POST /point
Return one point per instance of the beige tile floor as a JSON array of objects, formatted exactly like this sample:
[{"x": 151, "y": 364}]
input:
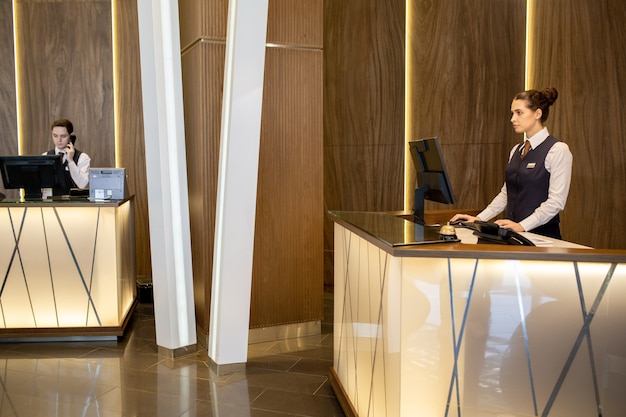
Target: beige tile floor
[{"x": 127, "y": 378}]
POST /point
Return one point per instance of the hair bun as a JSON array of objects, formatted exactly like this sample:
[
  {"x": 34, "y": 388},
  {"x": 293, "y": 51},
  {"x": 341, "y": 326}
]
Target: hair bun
[{"x": 550, "y": 94}]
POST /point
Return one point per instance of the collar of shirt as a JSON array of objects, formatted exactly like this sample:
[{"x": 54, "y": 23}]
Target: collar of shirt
[
  {"x": 538, "y": 138},
  {"x": 58, "y": 151}
]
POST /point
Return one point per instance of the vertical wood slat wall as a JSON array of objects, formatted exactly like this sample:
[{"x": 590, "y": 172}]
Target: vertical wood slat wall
[
  {"x": 287, "y": 277},
  {"x": 203, "y": 45},
  {"x": 287, "y": 268}
]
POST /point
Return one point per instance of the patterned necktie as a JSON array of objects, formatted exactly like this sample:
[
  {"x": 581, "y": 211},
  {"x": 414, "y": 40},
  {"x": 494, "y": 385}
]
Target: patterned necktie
[{"x": 526, "y": 149}]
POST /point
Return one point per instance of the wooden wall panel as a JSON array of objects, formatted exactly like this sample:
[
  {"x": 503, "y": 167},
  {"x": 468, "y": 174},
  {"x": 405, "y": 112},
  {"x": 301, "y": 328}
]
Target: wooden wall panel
[
  {"x": 66, "y": 67},
  {"x": 579, "y": 49},
  {"x": 190, "y": 16},
  {"x": 364, "y": 50},
  {"x": 203, "y": 72},
  {"x": 287, "y": 276},
  {"x": 297, "y": 23},
  {"x": 290, "y": 130},
  {"x": 466, "y": 63},
  {"x": 130, "y": 133},
  {"x": 203, "y": 44},
  {"x": 202, "y": 20},
  {"x": 8, "y": 114},
  {"x": 288, "y": 247}
]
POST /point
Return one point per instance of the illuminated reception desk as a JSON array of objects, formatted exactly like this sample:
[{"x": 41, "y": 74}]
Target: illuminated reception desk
[
  {"x": 473, "y": 330},
  {"x": 68, "y": 268}
]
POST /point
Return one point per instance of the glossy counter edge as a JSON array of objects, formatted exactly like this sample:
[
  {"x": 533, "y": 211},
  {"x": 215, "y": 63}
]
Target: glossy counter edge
[
  {"x": 481, "y": 251},
  {"x": 65, "y": 202}
]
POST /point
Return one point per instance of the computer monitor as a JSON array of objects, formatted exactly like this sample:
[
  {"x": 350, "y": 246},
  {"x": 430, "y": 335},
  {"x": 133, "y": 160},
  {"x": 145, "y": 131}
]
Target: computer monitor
[
  {"x": 32, "y": 173},
  {"x": 433, "y": 183}
]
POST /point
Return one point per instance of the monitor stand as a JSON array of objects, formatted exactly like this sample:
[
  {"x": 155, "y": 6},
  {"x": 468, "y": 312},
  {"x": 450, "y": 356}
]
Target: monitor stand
[{"x": 418, "y": 205}]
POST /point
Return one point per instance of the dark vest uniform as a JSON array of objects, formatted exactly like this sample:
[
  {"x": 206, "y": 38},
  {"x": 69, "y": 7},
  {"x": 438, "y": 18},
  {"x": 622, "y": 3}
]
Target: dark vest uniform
[
  {"x": 69, "y": 182},
  {"x": 527, "y": 183}
]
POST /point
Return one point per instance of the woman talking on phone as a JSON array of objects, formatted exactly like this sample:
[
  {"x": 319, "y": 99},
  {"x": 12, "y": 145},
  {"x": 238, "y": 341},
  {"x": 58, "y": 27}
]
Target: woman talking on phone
[
  {"x": 76, "y": 162},
  {"x": 538, "y": 175}
]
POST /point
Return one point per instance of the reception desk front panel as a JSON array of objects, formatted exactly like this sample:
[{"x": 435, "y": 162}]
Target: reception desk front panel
[
  {"x": 468, "y": 336},
  {"x": 67, "y": 268}
]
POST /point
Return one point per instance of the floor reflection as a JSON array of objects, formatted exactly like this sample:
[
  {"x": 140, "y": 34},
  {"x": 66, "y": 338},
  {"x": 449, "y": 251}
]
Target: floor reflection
[{"x": 127, "y": 378}]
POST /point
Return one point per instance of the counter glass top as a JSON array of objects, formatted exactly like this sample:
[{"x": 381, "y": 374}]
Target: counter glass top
[
  {"x": 403, "y": 238},
  {"x": 62, "y": 202},
  {"x": 392, "y": 230}
]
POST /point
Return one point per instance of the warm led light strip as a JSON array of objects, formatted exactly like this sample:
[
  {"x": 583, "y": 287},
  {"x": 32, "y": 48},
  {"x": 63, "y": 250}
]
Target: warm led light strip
[
  {"x": 17, "y": 82},
  {"x": 530, "y": 16},
  {"x": 407, "y": 102},
  {"x": 115, "y": 82}
]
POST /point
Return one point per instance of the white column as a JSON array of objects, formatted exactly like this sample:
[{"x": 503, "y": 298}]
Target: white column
[
  {"x": 238, "y": 173},
  {"x": 168, "y": 206}
]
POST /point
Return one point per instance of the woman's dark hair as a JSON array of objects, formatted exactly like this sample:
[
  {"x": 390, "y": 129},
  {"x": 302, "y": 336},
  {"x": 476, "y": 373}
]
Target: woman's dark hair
[
  {"x": 539, "y": 100},
  {"x": 63, "y": 123}
]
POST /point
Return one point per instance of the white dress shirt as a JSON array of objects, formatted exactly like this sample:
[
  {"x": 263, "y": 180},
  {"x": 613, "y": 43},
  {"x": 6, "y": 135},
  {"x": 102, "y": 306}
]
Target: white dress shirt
[
  {"x": 78, "y": 171},
  {"x": 559, "y": 164}
]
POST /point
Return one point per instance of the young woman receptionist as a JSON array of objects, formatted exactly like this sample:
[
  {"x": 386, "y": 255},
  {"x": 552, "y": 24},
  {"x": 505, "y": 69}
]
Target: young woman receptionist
[{"x": 538, "y": 175}]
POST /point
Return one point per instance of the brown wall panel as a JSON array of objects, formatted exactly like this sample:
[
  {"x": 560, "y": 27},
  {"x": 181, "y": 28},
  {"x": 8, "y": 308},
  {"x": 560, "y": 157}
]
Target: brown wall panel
[
  {"x": 290, "y": 130},
  {"x": 206, "y": 19},
  {"x": 579, "y": 49},
  {"x": 203, "y": 72},
  {"x": 66, "y": 68},
  {"x": 203, "y": 43},
  {"x": 287, "y": 278},
  {"x": 8, "y": 114},
  {"x": 130, "y": 140},
  {"x": 364, "y": 111},
  {"x": 299, "y": 23},
  {"x": 466, "y": 63}
]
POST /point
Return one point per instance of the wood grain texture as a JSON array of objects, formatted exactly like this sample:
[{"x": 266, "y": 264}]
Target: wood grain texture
[
  {"x": 466, "y": 62},
  {"x": 296, "y": 23},
  {"x": 130, "y": 140},
  {"x": 199, "y": 20},
  {"x": 203, "y": 72},
  {"x": 286, "y": 288},
  {"x": 579, "y": 49},
  {"x": 364, "y": 110},
  {"x": 8, "y": 114},
  {"x": 287, "y": 278},
  {"x": 65, "y": 62}
]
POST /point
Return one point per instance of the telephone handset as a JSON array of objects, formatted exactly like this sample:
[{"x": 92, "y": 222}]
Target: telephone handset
[
  {"x": 73, "y": 139},
  {"x": 492, "y": 233}
]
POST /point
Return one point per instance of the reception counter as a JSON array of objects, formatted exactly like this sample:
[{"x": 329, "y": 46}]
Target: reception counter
[
  {"x": 463, "y": 329},
  {"x": 67, "y": 268}
]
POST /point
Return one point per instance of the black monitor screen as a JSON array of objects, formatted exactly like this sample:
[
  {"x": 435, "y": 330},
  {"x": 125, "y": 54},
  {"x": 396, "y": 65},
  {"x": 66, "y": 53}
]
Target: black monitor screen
[
  {"x": 32, "y": 173},
  {"x": 433, "y": 183}
]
